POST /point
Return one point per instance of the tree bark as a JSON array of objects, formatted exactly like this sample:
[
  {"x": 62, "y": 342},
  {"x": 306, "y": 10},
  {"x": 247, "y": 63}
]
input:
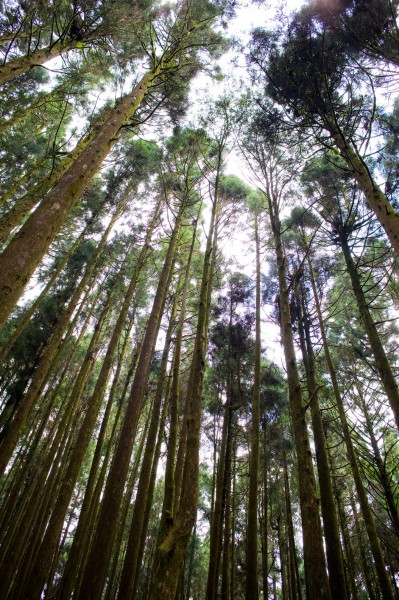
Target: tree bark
[
  {"x": 129, "y": 576},
  {"x": 21, "y": 64},
  {"x": 21, "y": 257},
  {"x": 375, "y": 197},
  {"x": 170, "y": 553},
  {"x": 252, "y": 584},
  {"x": 10, "y": 438},
  {"x": 385, "y": 585},
  {"x": 315, "y": 567},
  {"x": 99, "y": 556},
  {"x": 328, "y": 510},
  {"x": 381, "y": 361}
]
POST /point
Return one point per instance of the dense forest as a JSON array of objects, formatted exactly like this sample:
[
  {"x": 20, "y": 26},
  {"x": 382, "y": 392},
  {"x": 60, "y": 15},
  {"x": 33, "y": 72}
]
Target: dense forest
[{"x": 198, "y": 371}]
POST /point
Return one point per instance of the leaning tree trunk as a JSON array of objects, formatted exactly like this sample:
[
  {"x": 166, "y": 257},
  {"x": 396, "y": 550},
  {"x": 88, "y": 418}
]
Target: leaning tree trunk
[
  {"x": 99, "y": 556},
  {"x": 385, "y": 585},
  {"x": 315, "y": 566},
  {"x": 27, "y": 248},
  {"x": 375, "y": 197},
  {"x": 328, "y": 510},
  {"x": 11, "y": 436},
  {"x": 170, "y": 553},
  {"x": 381, "y": 360},
  {"x": 27, "y": 315},
  {"x": 251, "y": 584},
  {"x": 15, "y": 216},
  {"x": 21, "y": 64}
]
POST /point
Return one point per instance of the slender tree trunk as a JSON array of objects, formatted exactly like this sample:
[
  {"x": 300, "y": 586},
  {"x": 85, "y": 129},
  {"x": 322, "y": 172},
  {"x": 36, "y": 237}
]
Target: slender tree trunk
[
  {"x": 150, "y": 494},
  {"x": 25, "y": 178},
  {"x": 168, "y": 505},
  {"x": 225, "y": 589},
  {"x": 23, "y": 113},
  {"x": 43, "y": 558},
  {"x": 282, "y": 547},
  {"x": 367, "y": 571},
  {"x": 384, "y": 368},
  {"x": 11, "y": 435},
  {"x": 22, "y": 64},
  {"x": 328, "y": 510},
  {"x": 315, "y": 567},
  {"x": 130, "y": 564},
  {"x": 295, "y": 584},
  {"x": 385, "y": 585},
  {"x": 15, "y": 216},
  {"x": 118, "y": 545},
  {"x": 348, "y": 554},
  {"x": 265, "y": 517},
  {"x": 98, "y": 560},
  {"x": 170, "y": 554},
  {"x": 93, "y": 486},
  {"x": 375, "y": 197},
  {"x": 385, "y": 480},
  {"x": 218, "y": 512},
  {"x": 252, "y": 585},
  {"x": 16, "y": 263},
  {"x": 27, "y": 315}
]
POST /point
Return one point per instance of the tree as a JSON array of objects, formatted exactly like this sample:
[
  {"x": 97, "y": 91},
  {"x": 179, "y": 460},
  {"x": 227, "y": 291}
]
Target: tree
[
  {"x": 308, "y": 75},
  {"x": 186, "y": 33}
]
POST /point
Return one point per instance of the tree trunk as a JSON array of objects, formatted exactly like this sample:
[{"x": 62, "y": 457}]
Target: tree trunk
[
  {"x": 385, "y": 480},
  {"x": 170, "y": 553},
  {"x": 252, "y": 585},
  {"x": 295, "y": 584},
  {"x": 130, "y": 568},
  {"x": 375, "y": 197},
  {"x": 385, "y": 585},
  {"x": 27, "y": 315},
  {"x": 16, "y": 263},
  {"x": 168, "y": 505},
  {"x": 10, "y": 438},
  {"x": 381, "y": 361},
  {"x": 315, "y": 567},
  {"x": 98, "y": 559},
  {"x": 15, "y": 216},
  {"x": 328, "y": 510},
  {"x": 21, "y": 64}
]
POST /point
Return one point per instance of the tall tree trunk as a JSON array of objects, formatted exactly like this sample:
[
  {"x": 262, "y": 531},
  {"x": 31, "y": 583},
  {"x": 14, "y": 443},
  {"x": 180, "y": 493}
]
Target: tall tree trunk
[
  {"x": 375, "y": 197},
  {"x": 94, "y": 484},
  {"x": 16, "y": 263},
  {"x": 328, "y": 510},
  {"x": 380, "y": 463},
  {"x": 98, "y": 559},
  {"x": 295, "y": 584},
  {"x": 385, "y": 585},
  {"x": 169, "y": 498},
  {"x": 381, "y": 361},
  {"x": 27, "y": 315},
  {"x": 41, "y": 562},
  {"x": 219, "y": 504},
  {"x": 252, "y": 585},
  {"x": 130, "y": 568},
  {"x": 265, "y": 515},
  {"x": 15, "y": 215},
  {"x": 10, "y": 437},
  {"x": 170, "y": 553},
  {"x": 21, "y": 64},
  {"x": 315, "y": 566}
]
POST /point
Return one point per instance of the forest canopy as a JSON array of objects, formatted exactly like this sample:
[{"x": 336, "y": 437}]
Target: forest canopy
[{"x": 199, "y": 231}]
